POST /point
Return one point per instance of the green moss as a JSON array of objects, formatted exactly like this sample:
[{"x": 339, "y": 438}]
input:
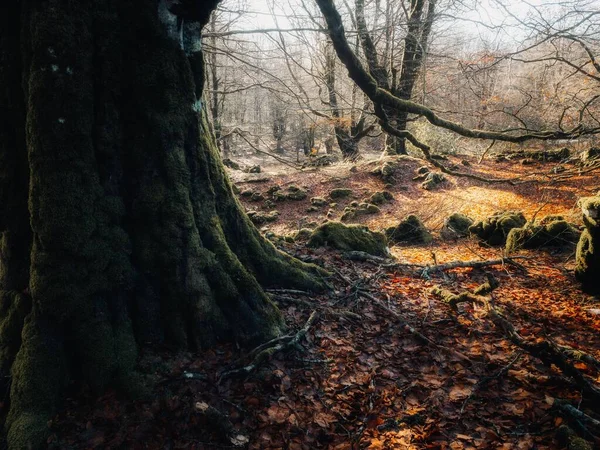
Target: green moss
[
  {"x": 340, "y": 193},
  {"x": 348, "y": 238},
  {"x": 456, "y": 225},
  {"x": 550, "y": 232},
  {"x": 494, "y": 229},
  {"x": 379, "y": 198},
  {"x": 409, "y": 230}
]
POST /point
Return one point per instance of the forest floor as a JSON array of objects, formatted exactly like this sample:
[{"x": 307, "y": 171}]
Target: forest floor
[{"x": 365, "y": 380}]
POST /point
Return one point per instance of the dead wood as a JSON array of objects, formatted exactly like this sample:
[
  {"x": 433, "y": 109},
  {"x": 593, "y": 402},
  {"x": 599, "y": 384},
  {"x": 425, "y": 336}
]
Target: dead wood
[{"x": 546, "y": 351}]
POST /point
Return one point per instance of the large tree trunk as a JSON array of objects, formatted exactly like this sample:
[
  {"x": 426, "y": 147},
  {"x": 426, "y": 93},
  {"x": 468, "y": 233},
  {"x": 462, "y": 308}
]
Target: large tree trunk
[{"x": 119, "y": 226}]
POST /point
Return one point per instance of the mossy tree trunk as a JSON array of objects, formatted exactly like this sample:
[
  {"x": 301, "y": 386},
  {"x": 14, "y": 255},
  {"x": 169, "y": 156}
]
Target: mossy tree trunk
[{"x": 119, "y": 226}]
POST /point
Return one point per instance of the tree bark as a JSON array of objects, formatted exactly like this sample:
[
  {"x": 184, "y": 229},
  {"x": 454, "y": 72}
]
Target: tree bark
[{"x": 119, "y": 226}]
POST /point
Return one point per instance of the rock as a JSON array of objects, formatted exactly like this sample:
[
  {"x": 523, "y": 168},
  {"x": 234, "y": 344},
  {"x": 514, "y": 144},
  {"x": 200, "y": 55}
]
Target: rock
[
  {"x": 552, "y": 231},
  {"x": 456, "y": 226},
  {"x": 303, "y": 234},
  {"x": 293, "y": 192},
  {"x": 465, "y": 163},
  {"x": 369, "y": 208},
  {"x": 312, "y": 209},
  {"x": 269, "y": 204},
  {"x": 257, "y": 197},
  {"x": 340, "y": 193},
  {"x": 259, "y": 217},
  {"x": 423, "y": 170},
  {"x": 409, "y": 230},
  {"x": 379, "y": 198},
  {"x": 494, "y": 229},
  {"x": 297, "y": 194},
  {"x": 590, "y": 155},
  {"x": 231, "y": 164},
  {"x": 349, "y": 238},
  {"x": 354, "y": 204},
  {"x": 247, "y": 193},
  {"x": 273, "y": 189},
  {"x": 253, "y": 169},
  {"x": 433, "y": 180},
  {"x": 348, "y": 214},
  {"x": 587, "y": 258},
  {"x": 318, "y": 201}
]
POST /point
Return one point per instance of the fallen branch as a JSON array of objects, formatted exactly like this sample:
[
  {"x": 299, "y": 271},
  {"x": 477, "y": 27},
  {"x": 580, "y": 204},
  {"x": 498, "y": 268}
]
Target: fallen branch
[
  {"x": 568, "y": 410},
  {"x": 547, "y": 352},
  {"x": 473, "y": 264},
  {"x": 263, "y": 353}
]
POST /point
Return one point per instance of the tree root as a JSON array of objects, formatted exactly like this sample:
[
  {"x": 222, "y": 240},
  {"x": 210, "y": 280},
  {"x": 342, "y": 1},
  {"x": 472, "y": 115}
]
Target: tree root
[
  {"x": 265, "y": 351},
  {"x": 546, "y": 351}
]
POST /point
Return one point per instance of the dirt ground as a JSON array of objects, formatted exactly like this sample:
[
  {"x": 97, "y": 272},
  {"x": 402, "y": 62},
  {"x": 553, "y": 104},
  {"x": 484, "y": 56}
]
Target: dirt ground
[{"x": 360, "y": 378}]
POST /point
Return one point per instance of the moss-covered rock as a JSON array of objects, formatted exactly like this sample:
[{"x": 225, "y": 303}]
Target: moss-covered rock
[
  {"x": 303, "y": 234},
  {"x": 348, "y": 238},
  {"x": 410, "y": 230},
  {"x": 340, "y": 193},
  {"x": 590, "y": 155},
  {"x": 587, "y": 269},
  {"x": 494, "y": 229},
  {"x": 455, "y": 226},
  {"x": 318, "y": 201},
  {"x": 433, "y": 180},
  {"x": 552, "y": 231},
  {"x": 379, "y": 198},
  {"x": 259, "y": 217}
]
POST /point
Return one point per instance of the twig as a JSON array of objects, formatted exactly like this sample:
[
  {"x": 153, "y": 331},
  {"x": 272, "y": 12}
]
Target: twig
[
  {"x": 406, "y": 326},
  {"x": 266, "y": 353}
]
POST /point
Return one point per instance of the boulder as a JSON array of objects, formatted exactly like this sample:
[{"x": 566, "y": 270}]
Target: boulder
[
  {"x": 590, "y": 155},
  {"x": 587, "y": 258},
  {"x": 456, "y": 226},
  {"x": 318, "y": 201},
  {"x": 253, "y": 169},
  {"x": 552, "y": 231},
  {"x": 340, "y": 193},
  {"x": 259, "y": 217},
  {"x": 433, "y": 180},
  {"x": 349, "y": 238},
  {"x": 410, "y": 230},
  {"x": 494, "y": 229}
]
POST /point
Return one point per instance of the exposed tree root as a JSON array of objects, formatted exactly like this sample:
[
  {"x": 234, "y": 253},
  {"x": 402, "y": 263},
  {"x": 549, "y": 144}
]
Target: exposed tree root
[{"x": 265, "y": 351}]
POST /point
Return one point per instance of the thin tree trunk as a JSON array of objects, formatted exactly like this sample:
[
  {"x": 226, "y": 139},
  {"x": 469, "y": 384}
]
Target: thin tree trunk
[{"x": 122, "y": 228}]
